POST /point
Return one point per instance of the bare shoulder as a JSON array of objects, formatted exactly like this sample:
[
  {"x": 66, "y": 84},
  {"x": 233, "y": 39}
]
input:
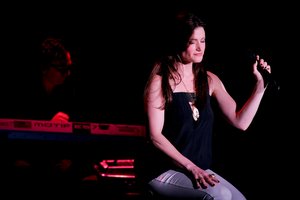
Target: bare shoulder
[
  {"x": 212, "y": 75},
  {"x": 214, "y": 82},
  {"x": 155, "y": 84},
  {"x": 156, "y": 80},
  {"x": 155, "y": 97}
]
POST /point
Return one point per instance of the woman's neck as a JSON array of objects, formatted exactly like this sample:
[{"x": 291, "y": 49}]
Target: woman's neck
[{"x": 186, "y": 70}]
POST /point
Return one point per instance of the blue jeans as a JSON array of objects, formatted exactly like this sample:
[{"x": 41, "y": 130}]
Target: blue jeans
[{"x": 176, "y": 185}]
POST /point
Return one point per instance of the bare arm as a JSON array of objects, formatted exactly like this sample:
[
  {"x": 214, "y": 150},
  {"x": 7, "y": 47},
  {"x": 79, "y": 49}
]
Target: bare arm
[
  {"x": 240, "y": 118},
  {"x": 156, "y": 121}
]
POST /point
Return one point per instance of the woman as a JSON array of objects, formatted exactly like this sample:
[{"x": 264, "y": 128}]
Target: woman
[{"x": 180, "y": 117}]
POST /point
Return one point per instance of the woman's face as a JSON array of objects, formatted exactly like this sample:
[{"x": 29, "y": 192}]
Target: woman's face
[{"x": 195, "y": 47}]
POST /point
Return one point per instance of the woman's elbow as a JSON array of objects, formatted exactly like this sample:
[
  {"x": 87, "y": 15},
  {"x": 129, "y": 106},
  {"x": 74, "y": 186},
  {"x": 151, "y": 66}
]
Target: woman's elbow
[
  {"x": 242, "y": 127},
  {"x": 239, "y": 125},
  {"x": 156, "y": 140}
]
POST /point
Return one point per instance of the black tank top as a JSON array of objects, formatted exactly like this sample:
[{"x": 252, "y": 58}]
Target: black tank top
[{"x": 192, "y": 138}]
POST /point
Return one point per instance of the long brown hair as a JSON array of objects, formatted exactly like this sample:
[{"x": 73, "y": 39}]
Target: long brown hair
[{"x": 166, "y": 66}]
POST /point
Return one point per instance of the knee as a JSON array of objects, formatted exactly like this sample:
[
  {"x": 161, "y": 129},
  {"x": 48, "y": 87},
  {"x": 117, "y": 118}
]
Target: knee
[{"x": 223, "y": 193}]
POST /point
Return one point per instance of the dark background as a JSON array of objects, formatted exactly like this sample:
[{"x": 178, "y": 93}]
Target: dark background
[{"x": 113, "y": 45}]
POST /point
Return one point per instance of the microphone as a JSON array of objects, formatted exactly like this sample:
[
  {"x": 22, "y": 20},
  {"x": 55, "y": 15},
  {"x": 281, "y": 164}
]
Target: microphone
[{"x": 269, "y": 79}]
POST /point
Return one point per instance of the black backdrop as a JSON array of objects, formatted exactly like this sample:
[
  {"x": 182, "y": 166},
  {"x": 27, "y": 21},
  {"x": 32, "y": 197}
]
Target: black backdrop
[{"x": 114, "y": 44}]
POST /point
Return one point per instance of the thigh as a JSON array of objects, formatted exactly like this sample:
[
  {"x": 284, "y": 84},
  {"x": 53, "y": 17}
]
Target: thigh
[
  {"x": 224, "y": 189},
  {"x": 174, "y": 184}
]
